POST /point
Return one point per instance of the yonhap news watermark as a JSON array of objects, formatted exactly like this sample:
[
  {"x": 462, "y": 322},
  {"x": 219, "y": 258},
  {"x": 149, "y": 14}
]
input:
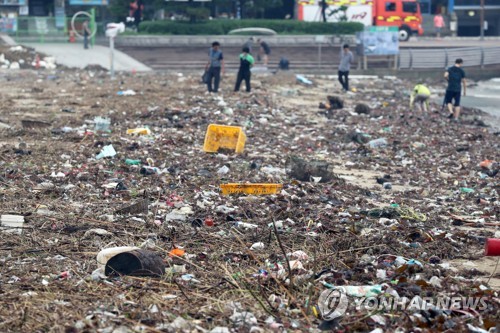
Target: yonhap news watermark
[{"x": 333, "y": 303}]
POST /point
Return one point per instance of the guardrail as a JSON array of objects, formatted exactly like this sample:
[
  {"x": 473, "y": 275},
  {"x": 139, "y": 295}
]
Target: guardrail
[{"x": 442, "y": 58}]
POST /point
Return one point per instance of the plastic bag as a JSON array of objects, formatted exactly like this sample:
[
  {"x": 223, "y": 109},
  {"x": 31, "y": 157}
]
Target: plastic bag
[{"x": 204, "y": 77}]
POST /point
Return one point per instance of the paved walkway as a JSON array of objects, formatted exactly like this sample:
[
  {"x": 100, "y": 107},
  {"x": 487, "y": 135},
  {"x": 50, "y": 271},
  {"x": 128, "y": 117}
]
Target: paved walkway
[
  {"x": 449, "y": 42},
  {"x": 148, "y": 41},
  {"x": 73, "y": 55}
]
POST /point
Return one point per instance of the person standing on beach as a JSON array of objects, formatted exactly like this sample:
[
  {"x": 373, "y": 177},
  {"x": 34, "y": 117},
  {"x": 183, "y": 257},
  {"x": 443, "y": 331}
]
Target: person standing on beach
[
  {"x": 438, "y": 24},
  {"x": 264, "y": 51},
  {"x": 244, "y": 73},
  {"x": 346, "y": 59},
  {"x": 86, "y": 34},
  {"x": 214, "y": 67},
  {"x": 456, "y": 79}
]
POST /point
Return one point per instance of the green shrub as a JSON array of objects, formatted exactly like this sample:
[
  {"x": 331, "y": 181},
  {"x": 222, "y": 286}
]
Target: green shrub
[{"x": 222, "y": 27}]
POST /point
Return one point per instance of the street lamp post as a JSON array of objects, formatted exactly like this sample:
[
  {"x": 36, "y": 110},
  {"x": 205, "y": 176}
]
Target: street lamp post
[{"x": 482, "y": 20}]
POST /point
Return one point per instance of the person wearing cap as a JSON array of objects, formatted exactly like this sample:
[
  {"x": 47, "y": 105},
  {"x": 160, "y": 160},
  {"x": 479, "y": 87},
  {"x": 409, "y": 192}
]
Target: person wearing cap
[
  {"x": 244, "y": 73},
  {"x": 346, "y": 58},
  {"x": 456, "y": 79},
  {"x": 214, "y": 67},
  {"x": 420, "y": 95}
]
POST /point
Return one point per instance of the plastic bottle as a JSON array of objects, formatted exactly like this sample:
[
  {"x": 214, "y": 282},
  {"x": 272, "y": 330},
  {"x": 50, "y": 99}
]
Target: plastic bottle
[
  {"x": 246, "y": 225},
  {"x": 357, "y": 291},
  {"x": 101, "y": 124},
  {"x": 147, "y": 170},
  {"x": 129, "y": 161}
]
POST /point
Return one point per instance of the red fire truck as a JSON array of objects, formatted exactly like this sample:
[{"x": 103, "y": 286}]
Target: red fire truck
[{"x": 404, "y": 14}]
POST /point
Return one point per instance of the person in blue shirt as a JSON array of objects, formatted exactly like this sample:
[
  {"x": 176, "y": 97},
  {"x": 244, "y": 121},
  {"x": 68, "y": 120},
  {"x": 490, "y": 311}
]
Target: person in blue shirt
[
  {"x": 244, "y": 73},
  {"x": 456, "y": 78},
  {"x": 214, "y": 67}
]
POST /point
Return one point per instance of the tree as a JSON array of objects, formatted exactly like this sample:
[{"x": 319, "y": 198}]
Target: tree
[
  {"x": 257, "y": 8},
  {"x": 340, "y": 14},
  {"x": 193, "y": 10},
  {"x": 197, "y": 13},
  {"x": 119, "y": 9}
]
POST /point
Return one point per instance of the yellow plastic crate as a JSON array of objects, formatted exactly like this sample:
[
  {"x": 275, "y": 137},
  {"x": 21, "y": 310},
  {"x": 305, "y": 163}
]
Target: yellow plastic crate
[
  {"x": 220, "y": 136},
  {"x": 254, "y": 189}
]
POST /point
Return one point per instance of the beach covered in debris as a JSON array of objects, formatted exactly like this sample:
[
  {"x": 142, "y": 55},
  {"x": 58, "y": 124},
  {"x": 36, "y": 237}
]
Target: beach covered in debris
[{"x": 373, "y": 200}]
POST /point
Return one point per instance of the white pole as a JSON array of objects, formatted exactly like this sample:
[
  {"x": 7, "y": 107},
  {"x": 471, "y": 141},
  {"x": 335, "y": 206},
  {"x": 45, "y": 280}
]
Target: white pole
[{"x": 112, "y": 56}]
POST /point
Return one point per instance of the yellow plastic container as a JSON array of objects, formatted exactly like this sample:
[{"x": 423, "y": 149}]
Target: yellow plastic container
[
  {"x": 220, "y": 136},
  {"x": 254, "y": 189}
]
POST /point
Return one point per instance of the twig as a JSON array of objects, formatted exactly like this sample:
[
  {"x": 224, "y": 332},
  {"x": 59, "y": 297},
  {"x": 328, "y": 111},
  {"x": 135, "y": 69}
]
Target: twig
[
  {"x": 156, "y": 208},
  {"x": 494, "y": 271},
  {"x": 351, "y": 250},
  {"x": 284, "y": 254},
  {"x": 182, "y": 291},
  {"x": 292, "y": 298},
  {"x": 258, "y": 300},
  {"x": 362, "y": 318}
]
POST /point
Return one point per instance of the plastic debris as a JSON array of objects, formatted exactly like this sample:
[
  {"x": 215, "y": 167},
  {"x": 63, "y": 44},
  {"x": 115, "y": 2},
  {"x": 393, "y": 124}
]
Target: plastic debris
[
  {"x": 101, "y": 124},
  {"x": 107, "y": 151},
  {"x": 378, "y": 143},
  {"x": 303, "y": 80},
  {"x": 12, "y": 223},
  {"x": 129, "y": 161},
  {"x": 128, "y": 92},
  {"x": 257, "y": 246},
  {"x": 97, "y": 231},
  {"x": 254, "y": 189},
  {"x": 136, "y": 262},
  {"x": 139, "y": 131},
  {"x": 221, "y": 136}
]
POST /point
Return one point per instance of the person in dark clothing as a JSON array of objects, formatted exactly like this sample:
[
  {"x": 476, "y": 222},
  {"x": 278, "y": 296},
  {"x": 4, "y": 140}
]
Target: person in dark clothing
[
  {"x": 346, "y": 58},
  {"x": 246, "y": 62},
  {"x": 249, "y": 44},
  {"x": 284, "y": 64},
  {"x": 214, "y": 67},
  {"x": 324, "y": 5},
  {"x": 456, "y": 78},
  {"x": 86, "y": 34},
  {"x": 264, "y": 51}
]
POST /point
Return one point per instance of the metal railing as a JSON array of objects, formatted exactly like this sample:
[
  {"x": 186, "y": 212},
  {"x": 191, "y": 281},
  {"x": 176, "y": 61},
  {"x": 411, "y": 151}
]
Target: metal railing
[{"x": 442, "y": 58}]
